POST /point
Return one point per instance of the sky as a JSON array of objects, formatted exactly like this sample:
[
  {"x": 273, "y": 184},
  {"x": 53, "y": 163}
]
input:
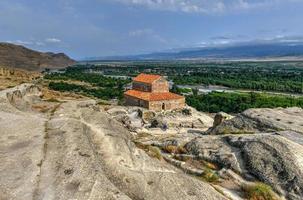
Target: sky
[{"x": 92, "y": 28}]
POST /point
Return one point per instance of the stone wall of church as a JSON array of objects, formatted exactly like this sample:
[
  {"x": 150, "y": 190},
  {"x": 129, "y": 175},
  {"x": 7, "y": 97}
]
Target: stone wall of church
[
  {"x": 167, "y": 104},
  {"x": 132, "y": 101},
  {"x": 142, "y": 86},
  {"x": 160, "y": 85}
]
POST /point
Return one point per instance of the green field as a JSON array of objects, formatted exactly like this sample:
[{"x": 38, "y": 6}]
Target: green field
[{"x": 285, "y": 77}]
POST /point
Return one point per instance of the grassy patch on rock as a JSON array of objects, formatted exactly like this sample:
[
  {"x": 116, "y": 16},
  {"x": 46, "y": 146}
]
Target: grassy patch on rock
[
  {"x": 175, "y": 149},
  {"x": 227, "y": 131},
  {"x": 210, "y": 176},
  {"x": 152, "y": 151},
  {"x": 54, "y": 100},
  {"x": 259, "y": 191}
]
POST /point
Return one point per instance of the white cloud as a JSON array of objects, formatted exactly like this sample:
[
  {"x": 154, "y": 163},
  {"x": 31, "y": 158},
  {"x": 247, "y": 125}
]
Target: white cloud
[
  {"x": 204, "y": 6},
  {"x": 31, "y": 42},
  {"x": 52, "y": 40},
  {"x": 20, "y": 42}
]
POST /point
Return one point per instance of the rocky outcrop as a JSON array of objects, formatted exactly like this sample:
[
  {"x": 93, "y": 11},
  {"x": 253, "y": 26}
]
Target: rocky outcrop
[
  {"x": 269, "y": 158},
  {"x": 215, "y": 149},
  {"x": 15, "y": 56},
  {"x": 75, "y": 151},
  {"x": 262, "y": 120},
  {"x": 79, "y": 150},
  {"x": 221, "y": 117},
  {"x": 258, "y": 145},
  {"x": 23, "y": 96},
  {"x": 274, "y": 160},
  {"x": 137, "y": 118}
]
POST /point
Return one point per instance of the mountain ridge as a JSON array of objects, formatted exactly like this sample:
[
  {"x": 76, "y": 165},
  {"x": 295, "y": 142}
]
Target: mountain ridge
[
  {"x": 261, "y": 51},
  {"x": 20, "y": 57}
]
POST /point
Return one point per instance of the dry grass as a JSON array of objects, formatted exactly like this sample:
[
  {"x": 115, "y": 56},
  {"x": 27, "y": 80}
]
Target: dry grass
[
  {"x": 103, "y": 103},
  {"x": 52, "y": 99},
  {"x": 259, "y": 191},
  {"x": 210, "y": 176},
  {"x": 51, "y": 94},
  {"x": 142, "y": 135},
  {"x": 238, "y": 132},
  {"x": 175, "y": 149},
  {"x": 152, "y": 151},
  {"x": 41, "y": 108},
  {"x": 210, "y": 165}
]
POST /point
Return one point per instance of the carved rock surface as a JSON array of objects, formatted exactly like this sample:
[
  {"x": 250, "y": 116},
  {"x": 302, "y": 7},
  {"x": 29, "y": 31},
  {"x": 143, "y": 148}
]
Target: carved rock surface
[
  {"x": 77, "y": 152},
  {"x": 271, "y": 158}
]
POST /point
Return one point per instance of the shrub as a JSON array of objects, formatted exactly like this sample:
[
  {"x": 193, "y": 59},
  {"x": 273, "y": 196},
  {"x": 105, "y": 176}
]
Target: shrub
[
  {"x": 259, "y": 191},
  {"x": 186, "y": 111}
]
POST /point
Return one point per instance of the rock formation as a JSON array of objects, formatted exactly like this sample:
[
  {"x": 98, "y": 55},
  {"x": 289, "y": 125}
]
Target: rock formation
[
  {"x": 263, "y": 120},
  {"x": 138, "y": 119},
  {"x": 74, "y": 151},
  {"x": 269, "y": 158}
]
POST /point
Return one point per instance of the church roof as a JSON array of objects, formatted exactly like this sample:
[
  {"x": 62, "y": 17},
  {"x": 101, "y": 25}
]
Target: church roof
[
  {"x": 152, "y": 96},
  {"x": 146, "y": 78}
]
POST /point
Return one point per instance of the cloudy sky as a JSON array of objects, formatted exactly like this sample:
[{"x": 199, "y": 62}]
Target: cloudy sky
[{"x": 87, "y": 28}]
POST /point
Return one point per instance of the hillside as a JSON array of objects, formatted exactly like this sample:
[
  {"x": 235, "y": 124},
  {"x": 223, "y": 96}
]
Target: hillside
[{"x": 15, "y": 56}]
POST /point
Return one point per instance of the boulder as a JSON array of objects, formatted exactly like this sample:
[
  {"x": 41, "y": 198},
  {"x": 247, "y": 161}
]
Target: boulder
[{"x": 221, "y": 117}]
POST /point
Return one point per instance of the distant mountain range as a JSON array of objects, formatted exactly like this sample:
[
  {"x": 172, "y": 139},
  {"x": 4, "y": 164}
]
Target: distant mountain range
[
  {"x": 16, "y": 56},
  {"x": 233, "y": 52}
]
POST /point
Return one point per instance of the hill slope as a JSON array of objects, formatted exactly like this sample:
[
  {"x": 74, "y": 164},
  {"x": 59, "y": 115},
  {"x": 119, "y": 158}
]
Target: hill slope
[{"x": 15, "y": 56}]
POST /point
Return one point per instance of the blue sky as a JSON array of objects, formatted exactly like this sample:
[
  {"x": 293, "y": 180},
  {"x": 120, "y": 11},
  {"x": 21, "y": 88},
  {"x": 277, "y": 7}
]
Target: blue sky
[{"x": 88, "y": 28}]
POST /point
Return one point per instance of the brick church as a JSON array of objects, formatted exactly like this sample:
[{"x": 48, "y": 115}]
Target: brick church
[{"x": 152, "y": 92}]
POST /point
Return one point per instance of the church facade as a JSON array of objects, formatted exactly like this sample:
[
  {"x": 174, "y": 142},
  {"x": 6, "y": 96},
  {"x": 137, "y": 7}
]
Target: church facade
[{"x": 152, "y": 92}]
